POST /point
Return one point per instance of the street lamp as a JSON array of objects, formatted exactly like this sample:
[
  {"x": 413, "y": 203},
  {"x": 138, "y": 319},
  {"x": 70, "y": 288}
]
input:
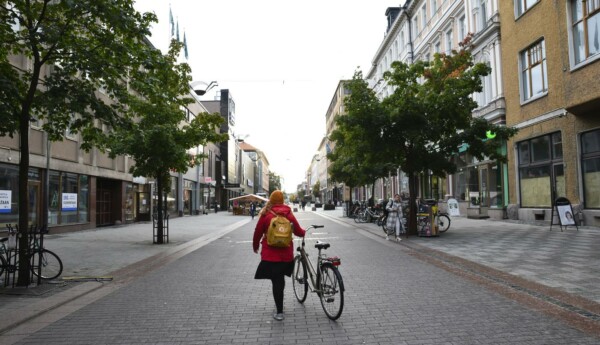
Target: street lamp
[{"x": 201, "y": 88}]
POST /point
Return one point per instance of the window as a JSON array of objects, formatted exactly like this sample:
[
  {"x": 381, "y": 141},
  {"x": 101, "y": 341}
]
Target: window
[
  {"x": 70, "y": 134},
  {"x": 401, "y": 40},
  {"x": 423, "y": 17},
  {"x": 533, "y": 71},
  {"x": 449, "y": 42},
  {"x": 590, "y": 167},
  {"x": 434, "y": 7},
  {"x": 437, "y": 47},
  {"x": 585, "y": 29},
  {"x": 415, "y": 26},
  {"x": 462, "y": 29},
  {"x": 69, "y": 198},
  {"x": 522, "y": 6},
  {"x": 483, "y": 15},
  {"x": 485, "y": 96},
  {"x": 541, "y": 173}
]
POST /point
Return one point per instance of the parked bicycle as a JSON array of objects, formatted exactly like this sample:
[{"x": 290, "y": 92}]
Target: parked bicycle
[
  {"x": 325, "y": 279},
  {"x": 43, "y": 262}
]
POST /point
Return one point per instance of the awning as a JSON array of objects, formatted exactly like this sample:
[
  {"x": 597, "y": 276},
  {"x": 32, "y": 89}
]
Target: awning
[{"x": 249, "y": 197}]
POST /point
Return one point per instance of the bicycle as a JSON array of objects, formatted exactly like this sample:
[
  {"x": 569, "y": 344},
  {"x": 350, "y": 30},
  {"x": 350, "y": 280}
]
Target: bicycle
[
  {"x": 326, "y": 280},
  {"x": 43, "y": 262}
]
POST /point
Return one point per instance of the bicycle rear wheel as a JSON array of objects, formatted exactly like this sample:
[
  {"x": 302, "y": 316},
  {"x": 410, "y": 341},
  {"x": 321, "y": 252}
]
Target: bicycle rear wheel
[
  {"x": 50, "y": 265},
  {"x": 331, "y": 289},
  {"x": 300, "y": 280},
  {"x": 443, "y": 222},
  {"x": 3, "y": 266}
]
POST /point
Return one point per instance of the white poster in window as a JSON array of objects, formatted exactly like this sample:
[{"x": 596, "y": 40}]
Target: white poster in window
[
  {"x": 453, "y": 207},
  {"x": 69, "y": 202},
  {"x": 5, "y": 201},
  {"x": 566, "y": 215}
]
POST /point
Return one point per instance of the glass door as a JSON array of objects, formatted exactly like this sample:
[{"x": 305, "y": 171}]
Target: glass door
[{"x": 483, "y": 187}]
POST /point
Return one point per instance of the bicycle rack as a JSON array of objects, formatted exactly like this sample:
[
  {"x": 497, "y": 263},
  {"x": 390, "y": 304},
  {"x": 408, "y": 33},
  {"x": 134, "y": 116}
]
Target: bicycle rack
[
  {"x": 165, "y": 234},
  {"x": 11, "y": 273}
]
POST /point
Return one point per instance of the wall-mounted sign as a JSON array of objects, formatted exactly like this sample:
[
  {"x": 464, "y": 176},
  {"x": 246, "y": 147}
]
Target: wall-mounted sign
[
  {"x": 5, "y": 201},
  {"x": 69, "y": 202}
]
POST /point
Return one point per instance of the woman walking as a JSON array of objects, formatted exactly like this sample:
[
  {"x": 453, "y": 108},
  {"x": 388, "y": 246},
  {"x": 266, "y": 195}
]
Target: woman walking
[
  {"x": 276, "y": 263},
  {"x": 394, "y": 218}
]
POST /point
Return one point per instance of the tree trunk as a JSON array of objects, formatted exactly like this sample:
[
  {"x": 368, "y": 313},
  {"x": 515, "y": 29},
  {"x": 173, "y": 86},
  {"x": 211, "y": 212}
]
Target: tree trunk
[
  {"x": 23, "y": 276},
  {"x": 412, "y": 214}
]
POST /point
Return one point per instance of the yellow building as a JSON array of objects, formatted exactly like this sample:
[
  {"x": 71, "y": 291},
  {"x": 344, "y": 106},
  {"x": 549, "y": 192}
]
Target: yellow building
[{"x": 551, "y": 73}]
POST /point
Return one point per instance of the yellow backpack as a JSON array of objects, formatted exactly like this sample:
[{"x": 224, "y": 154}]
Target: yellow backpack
[{"x": 280, "y": 231}]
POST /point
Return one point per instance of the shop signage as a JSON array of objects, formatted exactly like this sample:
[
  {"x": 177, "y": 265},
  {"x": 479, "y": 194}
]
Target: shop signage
[
  {"x": 69, "y": 202},
  {"x": 5, "y": 201}
]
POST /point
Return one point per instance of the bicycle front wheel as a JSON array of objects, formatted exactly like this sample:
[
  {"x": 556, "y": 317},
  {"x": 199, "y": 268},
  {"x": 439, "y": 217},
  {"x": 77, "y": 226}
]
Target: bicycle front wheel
[
  {"x": 300, "y": 279},
  {"x": 443, "y": 223},
  {"x": 331, "y": 289},
  {"x": 49, "y": 264}
]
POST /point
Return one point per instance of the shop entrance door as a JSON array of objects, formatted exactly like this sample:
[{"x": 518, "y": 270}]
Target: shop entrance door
[{"x": 143, "y": 207}]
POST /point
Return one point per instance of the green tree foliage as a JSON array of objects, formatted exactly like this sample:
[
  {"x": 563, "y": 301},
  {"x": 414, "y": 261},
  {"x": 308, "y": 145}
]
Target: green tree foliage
[
  {"x": 274, "y": 182},
  {"x": 74, "y": 49},
  {"x": 316, "y": 189},
  {"x": 423, "y": 122},
  {"x": 160, "y": 139},
  {"x": 359, "y": 157}
]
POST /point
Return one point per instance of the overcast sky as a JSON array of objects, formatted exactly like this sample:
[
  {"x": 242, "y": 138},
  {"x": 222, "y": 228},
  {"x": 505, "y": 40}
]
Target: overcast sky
[{"x": 281, "y": 61}]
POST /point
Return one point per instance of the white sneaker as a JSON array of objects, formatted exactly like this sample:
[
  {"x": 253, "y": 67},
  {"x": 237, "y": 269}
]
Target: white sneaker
[
  {"x": 398, "y": 239},
  {"x": 278, "y": 316},
  {"x": 387, "y": 238}
]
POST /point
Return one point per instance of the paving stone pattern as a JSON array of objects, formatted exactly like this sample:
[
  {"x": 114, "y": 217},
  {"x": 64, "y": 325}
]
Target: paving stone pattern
[{"x": 210, "y": 297}]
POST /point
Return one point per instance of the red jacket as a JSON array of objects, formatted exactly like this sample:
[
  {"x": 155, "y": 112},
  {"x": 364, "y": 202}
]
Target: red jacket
[{"x": 274, "y": 254}]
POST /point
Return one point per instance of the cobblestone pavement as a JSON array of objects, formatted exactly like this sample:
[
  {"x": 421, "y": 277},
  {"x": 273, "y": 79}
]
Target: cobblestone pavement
[{"x": 410, "y": 292}]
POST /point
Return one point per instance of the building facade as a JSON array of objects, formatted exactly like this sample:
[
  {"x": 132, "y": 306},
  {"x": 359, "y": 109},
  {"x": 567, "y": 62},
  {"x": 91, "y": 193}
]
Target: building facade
[
  {"x": 551, "y": 54},
  {"x": 89, "y": 189}
]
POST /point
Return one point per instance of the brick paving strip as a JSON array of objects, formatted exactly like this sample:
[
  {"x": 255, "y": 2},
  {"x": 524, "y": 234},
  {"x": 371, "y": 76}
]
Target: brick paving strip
[
  {"x": 21, "y": 322},
  {"x": 580, "y": 313}
]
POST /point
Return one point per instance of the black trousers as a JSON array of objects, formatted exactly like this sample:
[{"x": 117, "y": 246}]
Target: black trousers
[{"x": 278, "y": 287}]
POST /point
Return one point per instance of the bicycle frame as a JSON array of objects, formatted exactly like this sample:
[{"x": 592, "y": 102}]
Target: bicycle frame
[{"x": 313, "y": 274}]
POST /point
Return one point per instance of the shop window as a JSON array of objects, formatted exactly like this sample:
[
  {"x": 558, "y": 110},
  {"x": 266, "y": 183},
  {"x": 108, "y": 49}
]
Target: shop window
[
  {"x": 69, "y": 198},
  {"x": 590, "y": 162},
  {"x": 538, "y": 179}
]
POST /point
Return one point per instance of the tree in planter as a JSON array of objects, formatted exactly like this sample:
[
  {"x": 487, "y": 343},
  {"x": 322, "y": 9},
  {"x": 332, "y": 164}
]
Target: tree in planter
[
  {"x": 161, "y": 138},
  {"x": 74, "y": 49}
]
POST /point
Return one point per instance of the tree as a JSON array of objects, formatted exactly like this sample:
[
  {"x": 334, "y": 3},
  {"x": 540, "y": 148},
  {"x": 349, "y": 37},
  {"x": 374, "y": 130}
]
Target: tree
[
  {"x": 160, "y": 139},
  {"x": 428, "y": 117},
  {"x": 360, "y": 157},
  {"x": 274, "y": 182},
  {"x": 75, "y": 49},
  {"x": 316, "y": 191}
]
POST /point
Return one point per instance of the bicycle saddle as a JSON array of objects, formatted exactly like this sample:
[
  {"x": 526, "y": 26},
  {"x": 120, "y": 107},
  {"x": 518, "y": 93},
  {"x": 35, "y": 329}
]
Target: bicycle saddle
[{"x": 322, "y": 245}]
